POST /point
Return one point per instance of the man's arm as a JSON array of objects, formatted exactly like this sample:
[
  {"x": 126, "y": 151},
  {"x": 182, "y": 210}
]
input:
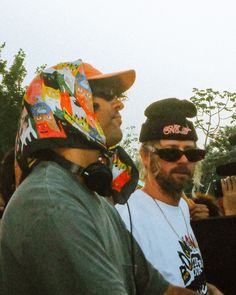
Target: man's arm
[
  {"x": 173, "y": 290},
  {"x": 212, "y": 290}
]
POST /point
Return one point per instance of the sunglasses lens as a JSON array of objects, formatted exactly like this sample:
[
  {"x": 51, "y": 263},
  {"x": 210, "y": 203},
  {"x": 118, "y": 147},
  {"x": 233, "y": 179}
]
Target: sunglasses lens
[
  {"x": 170, "y": 155},
  {"x": 195, "y": 155}
]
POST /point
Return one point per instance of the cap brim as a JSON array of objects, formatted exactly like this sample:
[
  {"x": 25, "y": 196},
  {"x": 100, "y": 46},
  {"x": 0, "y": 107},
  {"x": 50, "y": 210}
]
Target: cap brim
[{"x": 125, "y": 79}]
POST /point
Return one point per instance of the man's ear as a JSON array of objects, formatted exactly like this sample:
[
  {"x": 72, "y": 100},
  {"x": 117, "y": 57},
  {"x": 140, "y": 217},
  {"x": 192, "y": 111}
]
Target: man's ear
[
  {"x": 144, "y": 155},
  {"x": 95, "y": 106}
]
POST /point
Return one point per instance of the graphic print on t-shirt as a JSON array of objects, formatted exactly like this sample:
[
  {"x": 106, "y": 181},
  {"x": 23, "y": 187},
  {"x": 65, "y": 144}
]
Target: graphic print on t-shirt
[{"x": 191, "y": 265}]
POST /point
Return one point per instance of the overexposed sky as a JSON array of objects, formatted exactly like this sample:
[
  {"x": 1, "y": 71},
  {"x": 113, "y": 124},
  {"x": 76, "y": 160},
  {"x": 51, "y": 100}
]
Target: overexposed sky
[{"x": 173, "y": 45}]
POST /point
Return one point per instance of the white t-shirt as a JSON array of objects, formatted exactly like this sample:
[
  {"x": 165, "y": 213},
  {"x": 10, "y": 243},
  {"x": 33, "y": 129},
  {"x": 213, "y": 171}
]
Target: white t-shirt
[{"x": 166, "y": 238}]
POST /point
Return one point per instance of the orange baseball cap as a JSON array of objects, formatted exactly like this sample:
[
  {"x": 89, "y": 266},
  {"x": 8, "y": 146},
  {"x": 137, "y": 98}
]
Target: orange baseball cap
[{"x": 125, "y": 79}]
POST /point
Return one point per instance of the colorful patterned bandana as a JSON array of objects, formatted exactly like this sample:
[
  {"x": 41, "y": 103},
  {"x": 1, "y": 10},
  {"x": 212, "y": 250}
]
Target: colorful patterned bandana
[
  {"x": 57, "y": 106},
  {"x": 58, "y": 112}
]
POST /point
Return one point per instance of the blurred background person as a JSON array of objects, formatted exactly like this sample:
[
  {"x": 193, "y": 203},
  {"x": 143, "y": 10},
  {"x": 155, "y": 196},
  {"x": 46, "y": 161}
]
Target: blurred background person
[{"x": 7, "y": 179}]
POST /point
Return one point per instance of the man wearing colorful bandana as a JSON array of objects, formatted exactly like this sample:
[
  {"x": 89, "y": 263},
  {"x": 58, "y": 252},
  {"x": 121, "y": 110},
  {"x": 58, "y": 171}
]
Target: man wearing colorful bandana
[
  {"x": 158, "y": 216},
  {"x": 60, "y": 236}
]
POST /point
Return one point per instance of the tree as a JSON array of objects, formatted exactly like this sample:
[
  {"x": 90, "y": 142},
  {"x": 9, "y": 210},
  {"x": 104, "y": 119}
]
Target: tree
[
  {"x": 11, "y": 94},
  {"x": 214, "y": 110},
  {"x": 130, "y": 143},
  {"x": 219, "y": 151}
]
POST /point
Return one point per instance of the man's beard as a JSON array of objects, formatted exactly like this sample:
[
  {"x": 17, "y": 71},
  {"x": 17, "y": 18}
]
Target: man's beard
[{"x": 170, "y": 185}]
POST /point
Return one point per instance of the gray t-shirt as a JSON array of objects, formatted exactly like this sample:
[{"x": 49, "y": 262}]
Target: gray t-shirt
[{"x": 58, "y": 238}]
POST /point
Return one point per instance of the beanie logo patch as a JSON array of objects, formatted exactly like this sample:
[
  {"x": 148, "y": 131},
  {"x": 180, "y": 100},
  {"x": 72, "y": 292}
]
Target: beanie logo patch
[{"x": 176, "y": 129}]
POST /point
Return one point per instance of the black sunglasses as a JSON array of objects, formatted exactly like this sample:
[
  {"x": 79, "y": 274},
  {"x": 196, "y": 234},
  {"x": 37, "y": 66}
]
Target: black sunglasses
[{"x": 172, "y": 154}]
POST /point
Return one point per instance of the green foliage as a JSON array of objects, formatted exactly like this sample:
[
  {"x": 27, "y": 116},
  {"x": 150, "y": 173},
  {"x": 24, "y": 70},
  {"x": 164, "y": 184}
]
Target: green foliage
[
  {"x": 219, "y": 151},
  {"x": 130, "y": 143},
  {"x": 40, "y": 69},
  {"x": 214, "y": 110},
  {"x": 11, "y": 93}
]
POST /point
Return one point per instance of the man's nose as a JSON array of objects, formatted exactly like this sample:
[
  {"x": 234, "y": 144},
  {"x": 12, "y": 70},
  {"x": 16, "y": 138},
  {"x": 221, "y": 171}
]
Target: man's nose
[{"x": 183, "y": 159}]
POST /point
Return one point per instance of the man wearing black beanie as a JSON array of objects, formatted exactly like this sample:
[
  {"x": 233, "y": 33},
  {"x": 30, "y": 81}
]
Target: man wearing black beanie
[{"x": 160, "y": 219}]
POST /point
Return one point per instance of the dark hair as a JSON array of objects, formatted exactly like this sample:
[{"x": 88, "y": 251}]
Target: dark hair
[{"x": 7, "y": 175}]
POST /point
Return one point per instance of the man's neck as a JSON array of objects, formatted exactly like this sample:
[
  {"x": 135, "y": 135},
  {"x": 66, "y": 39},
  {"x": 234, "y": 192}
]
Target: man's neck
[
  {"x": 82, "y": 157},
  {"x": 152, "y": 188}
]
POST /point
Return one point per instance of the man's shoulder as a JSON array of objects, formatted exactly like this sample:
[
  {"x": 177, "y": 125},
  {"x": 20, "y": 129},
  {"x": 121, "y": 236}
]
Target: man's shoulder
[
  {"x": 139, "y": 205},
  {"x": 183, "y": 204},
  {"x": 47, "y": 182},
  {"x": 49, "y": 174},
  {"x": 49, "y": 169},
  {"x": 134, "y": 200},
  {"x": 138, "y": 196},
  {"x": 51, "y": 191}
]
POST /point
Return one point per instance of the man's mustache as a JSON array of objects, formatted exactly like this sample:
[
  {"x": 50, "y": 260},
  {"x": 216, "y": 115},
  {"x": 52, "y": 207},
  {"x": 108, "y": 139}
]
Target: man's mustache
[{"x": 181, "y": 169}]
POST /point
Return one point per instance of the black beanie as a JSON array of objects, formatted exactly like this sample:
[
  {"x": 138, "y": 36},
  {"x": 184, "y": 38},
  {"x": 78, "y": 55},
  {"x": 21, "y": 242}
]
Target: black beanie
[{"x": 167, "y": 119}]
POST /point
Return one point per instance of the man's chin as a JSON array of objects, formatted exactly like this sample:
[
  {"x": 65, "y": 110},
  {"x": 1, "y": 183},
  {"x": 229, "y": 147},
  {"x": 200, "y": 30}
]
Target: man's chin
[
  {"x": 179, "y": 181},
  {"x": 115, "y": 139}
]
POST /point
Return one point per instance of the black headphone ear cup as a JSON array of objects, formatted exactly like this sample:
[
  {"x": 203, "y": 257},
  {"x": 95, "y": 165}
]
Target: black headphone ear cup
[{"x": 98, "y": 178}]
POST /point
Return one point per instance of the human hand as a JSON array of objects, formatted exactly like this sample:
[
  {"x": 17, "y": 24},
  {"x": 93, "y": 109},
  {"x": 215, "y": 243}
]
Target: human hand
[
  {"x": 212, "y": 290},
  {"x": 228, "y": 185},
  {"x": 199, "y": 211}
]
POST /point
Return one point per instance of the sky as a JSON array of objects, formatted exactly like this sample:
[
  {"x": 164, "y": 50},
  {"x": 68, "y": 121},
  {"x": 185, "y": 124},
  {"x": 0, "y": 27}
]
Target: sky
[{"x": 173, "y": 45}]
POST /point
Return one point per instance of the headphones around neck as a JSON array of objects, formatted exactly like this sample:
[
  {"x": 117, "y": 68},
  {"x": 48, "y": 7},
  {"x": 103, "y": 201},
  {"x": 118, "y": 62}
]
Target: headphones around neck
[{"x": 97, "y": 176}]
